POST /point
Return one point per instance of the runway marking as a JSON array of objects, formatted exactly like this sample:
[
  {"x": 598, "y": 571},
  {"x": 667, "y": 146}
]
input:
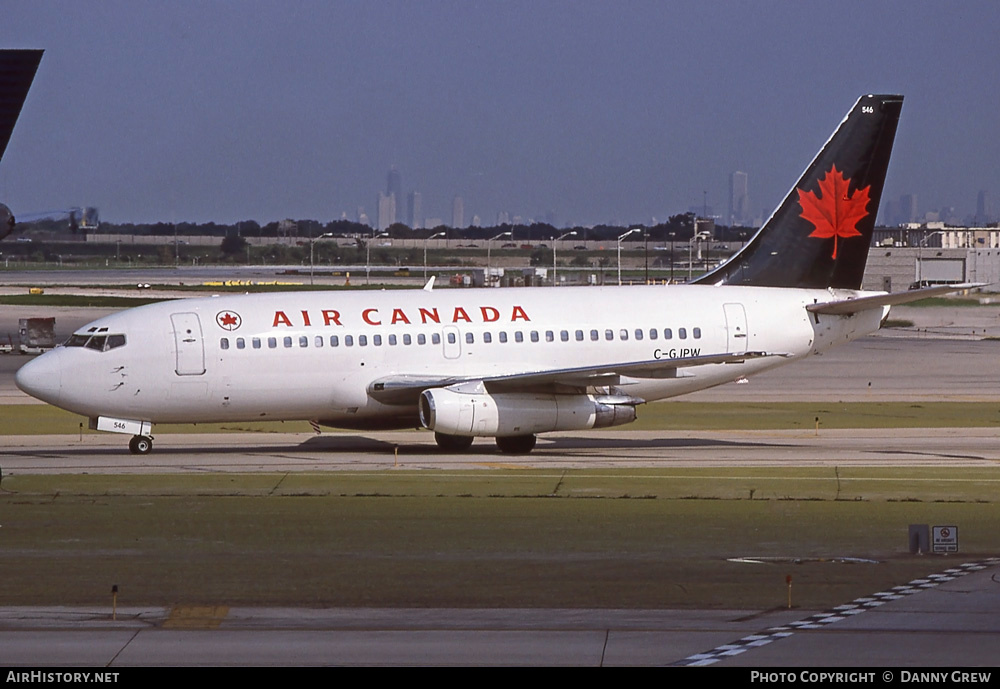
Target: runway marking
[
  {"x": 836, "y": 614},
  {"x": 196, "y": 617}
]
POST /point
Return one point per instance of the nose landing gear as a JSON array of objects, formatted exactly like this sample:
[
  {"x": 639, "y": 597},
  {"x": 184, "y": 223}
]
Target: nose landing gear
[{"x": 140, "y": 445}]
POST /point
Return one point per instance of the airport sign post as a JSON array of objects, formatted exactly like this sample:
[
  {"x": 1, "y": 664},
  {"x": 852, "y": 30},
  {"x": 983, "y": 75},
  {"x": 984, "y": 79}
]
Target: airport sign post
[{"x": 944, "y": 539}]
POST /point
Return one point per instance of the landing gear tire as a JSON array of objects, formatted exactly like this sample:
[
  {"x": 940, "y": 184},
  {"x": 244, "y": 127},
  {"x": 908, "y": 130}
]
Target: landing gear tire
[
  {"x": 453, "y": 443},
  {"x": 140, "y": 445},
  {"x": 516, "y": 444}
]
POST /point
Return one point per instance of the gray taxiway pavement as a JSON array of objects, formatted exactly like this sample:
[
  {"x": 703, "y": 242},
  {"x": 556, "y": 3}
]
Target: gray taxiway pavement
[
  {"x": 949, "y": 619},
  {"x": 283, "y": 452}
]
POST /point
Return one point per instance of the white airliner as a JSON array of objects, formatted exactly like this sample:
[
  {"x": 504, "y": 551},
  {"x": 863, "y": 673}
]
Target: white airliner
[{"x": 502, "y": 363}]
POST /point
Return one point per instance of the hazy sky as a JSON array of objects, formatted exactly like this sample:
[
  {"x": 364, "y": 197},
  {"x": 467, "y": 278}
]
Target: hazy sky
[{"x": 596, "y": 111}]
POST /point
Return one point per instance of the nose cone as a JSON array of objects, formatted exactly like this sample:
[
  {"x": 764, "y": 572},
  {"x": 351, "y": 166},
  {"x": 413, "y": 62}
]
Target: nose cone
[{"x": 42, "y": 378}]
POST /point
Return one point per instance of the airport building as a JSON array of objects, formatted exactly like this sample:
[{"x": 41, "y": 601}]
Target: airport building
[{"x": 895, "y": 269}]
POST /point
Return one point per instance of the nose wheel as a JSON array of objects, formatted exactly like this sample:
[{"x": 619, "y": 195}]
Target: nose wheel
[{"x": 140, "y": 445}]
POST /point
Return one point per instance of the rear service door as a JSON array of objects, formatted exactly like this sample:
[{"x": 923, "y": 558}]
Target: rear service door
[{"x": 736, "y": 326}]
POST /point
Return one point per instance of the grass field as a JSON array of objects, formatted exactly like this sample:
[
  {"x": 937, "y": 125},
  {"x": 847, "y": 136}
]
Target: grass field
[{"x": 635, "y": 538}]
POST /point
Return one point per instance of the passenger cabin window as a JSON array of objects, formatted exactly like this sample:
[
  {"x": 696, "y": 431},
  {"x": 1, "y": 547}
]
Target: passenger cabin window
[
  {"x": 287, "y": 341},
  {"x": 421, "y": 339},
  {"x": 534, "y": 336},
  {"x": 272, "y": 342},
  {"x": 392, "y": 340},
  {"x": 436, "y": 338},
  {"x": 623, "y": 334},
  {"x": 348, "y": 340},
  {"x": 319, "y": 340},
  {"x": 682, "y": 333},
  {"x": 469, "y": 338},
  {"x": 407, "y": 340},
  {"x": 653, "y": 333},
  {"x": 518, "y": 336},
  {"x": 241, "y": 343},
  {"x": 334, "y": 341},
  {"x": 487, "y": 337},
  {"x": 697, "y": 333},
  {"x": 609, "y": 334},
  {"x": 256, "y": 342},
  {"x": 377, "y": 340},
  {"x": 594, "y": 335},
  {"x": 362, "y": 340},
  {"x": 668, "y": 334},
  {"x": 303, "y": 341},
  {"x": 579, "y": 336},
  {"x": 503, "y": 336},
  {"x": 224, "y": 343}
]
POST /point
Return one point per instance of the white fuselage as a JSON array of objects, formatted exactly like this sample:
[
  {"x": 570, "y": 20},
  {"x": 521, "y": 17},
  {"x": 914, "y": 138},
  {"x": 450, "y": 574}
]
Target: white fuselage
[{"x": 313, "y": 355}]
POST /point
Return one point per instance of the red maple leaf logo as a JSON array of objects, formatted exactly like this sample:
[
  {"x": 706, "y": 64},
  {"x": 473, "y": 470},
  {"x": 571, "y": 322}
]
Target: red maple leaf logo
[
  {"x": 228, "y": 319},
  {"x": 833, "y": 212}
]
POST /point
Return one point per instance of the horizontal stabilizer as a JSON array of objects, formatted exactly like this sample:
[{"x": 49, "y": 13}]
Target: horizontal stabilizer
[{"x": 845, "y": 307}]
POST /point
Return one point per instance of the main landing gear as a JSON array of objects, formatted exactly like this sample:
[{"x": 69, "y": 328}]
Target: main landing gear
[
  {"x": 140, "y": 445},
  {"x": 453, "y": 443},
  {"x": 508, "y": 444},
  {"x": 516, "y": 444}
]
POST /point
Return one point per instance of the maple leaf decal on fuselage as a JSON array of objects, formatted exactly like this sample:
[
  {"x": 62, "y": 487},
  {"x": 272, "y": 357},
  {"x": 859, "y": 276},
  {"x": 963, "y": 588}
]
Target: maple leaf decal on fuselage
[{"x": 833, "y": 212}]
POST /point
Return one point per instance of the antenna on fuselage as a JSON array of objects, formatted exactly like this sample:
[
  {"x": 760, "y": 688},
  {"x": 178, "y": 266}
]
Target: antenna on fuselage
[{"x": 430, "y": 284}]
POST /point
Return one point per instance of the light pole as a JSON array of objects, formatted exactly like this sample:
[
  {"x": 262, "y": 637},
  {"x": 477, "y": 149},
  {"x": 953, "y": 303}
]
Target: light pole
[
  {"x": 920, "y": 259},
  {"x": 672, "y": 235},
  {"x": 554, "y": 243},
  {"x": 427, "y": 239},
  {"x": 632, "y": 231},
  {"x": 696, "y": 238},
  {"x": 312, "y": 242},
  {"x": 368, "y": 255},
  {"x": 489, "y": 247}
]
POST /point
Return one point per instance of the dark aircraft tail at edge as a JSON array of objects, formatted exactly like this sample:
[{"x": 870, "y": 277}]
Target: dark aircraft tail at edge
[
  {"x": 819, "y": 236},
  {"x": 17, "y": 71}
]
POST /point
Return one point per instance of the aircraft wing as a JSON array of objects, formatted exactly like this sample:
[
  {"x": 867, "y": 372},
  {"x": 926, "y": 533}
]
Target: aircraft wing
[
  {"x": 405, "y": 389},
  {"x": 845, "y": 307}
]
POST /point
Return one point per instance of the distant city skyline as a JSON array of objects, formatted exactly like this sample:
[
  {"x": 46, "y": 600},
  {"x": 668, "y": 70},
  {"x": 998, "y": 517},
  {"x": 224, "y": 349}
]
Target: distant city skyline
[{"x": 578, "y": 112}]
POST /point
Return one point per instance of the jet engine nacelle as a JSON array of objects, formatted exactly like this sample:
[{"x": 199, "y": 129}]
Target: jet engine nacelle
[
  {"x": 6, "y": 221},
  {"x": 520, "y": 413}
]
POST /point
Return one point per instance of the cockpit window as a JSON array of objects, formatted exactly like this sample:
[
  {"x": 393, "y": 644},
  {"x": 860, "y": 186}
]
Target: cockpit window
[{"x": 99, "y": 343}]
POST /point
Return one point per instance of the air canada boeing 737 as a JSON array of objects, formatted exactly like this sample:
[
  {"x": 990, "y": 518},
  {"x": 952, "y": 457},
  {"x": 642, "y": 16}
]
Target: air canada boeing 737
[{"x": 502, "y": 363}]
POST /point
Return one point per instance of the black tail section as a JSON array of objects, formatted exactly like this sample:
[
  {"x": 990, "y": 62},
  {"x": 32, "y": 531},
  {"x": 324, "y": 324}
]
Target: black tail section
[
  {"x": 820, "y": 234},
  {"x": 17, "y": 71}
]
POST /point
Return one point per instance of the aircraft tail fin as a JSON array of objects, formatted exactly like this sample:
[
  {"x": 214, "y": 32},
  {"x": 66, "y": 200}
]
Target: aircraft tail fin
[
  {"x": 819, "y": 236},
  {"x": 17, "y": 71}
]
